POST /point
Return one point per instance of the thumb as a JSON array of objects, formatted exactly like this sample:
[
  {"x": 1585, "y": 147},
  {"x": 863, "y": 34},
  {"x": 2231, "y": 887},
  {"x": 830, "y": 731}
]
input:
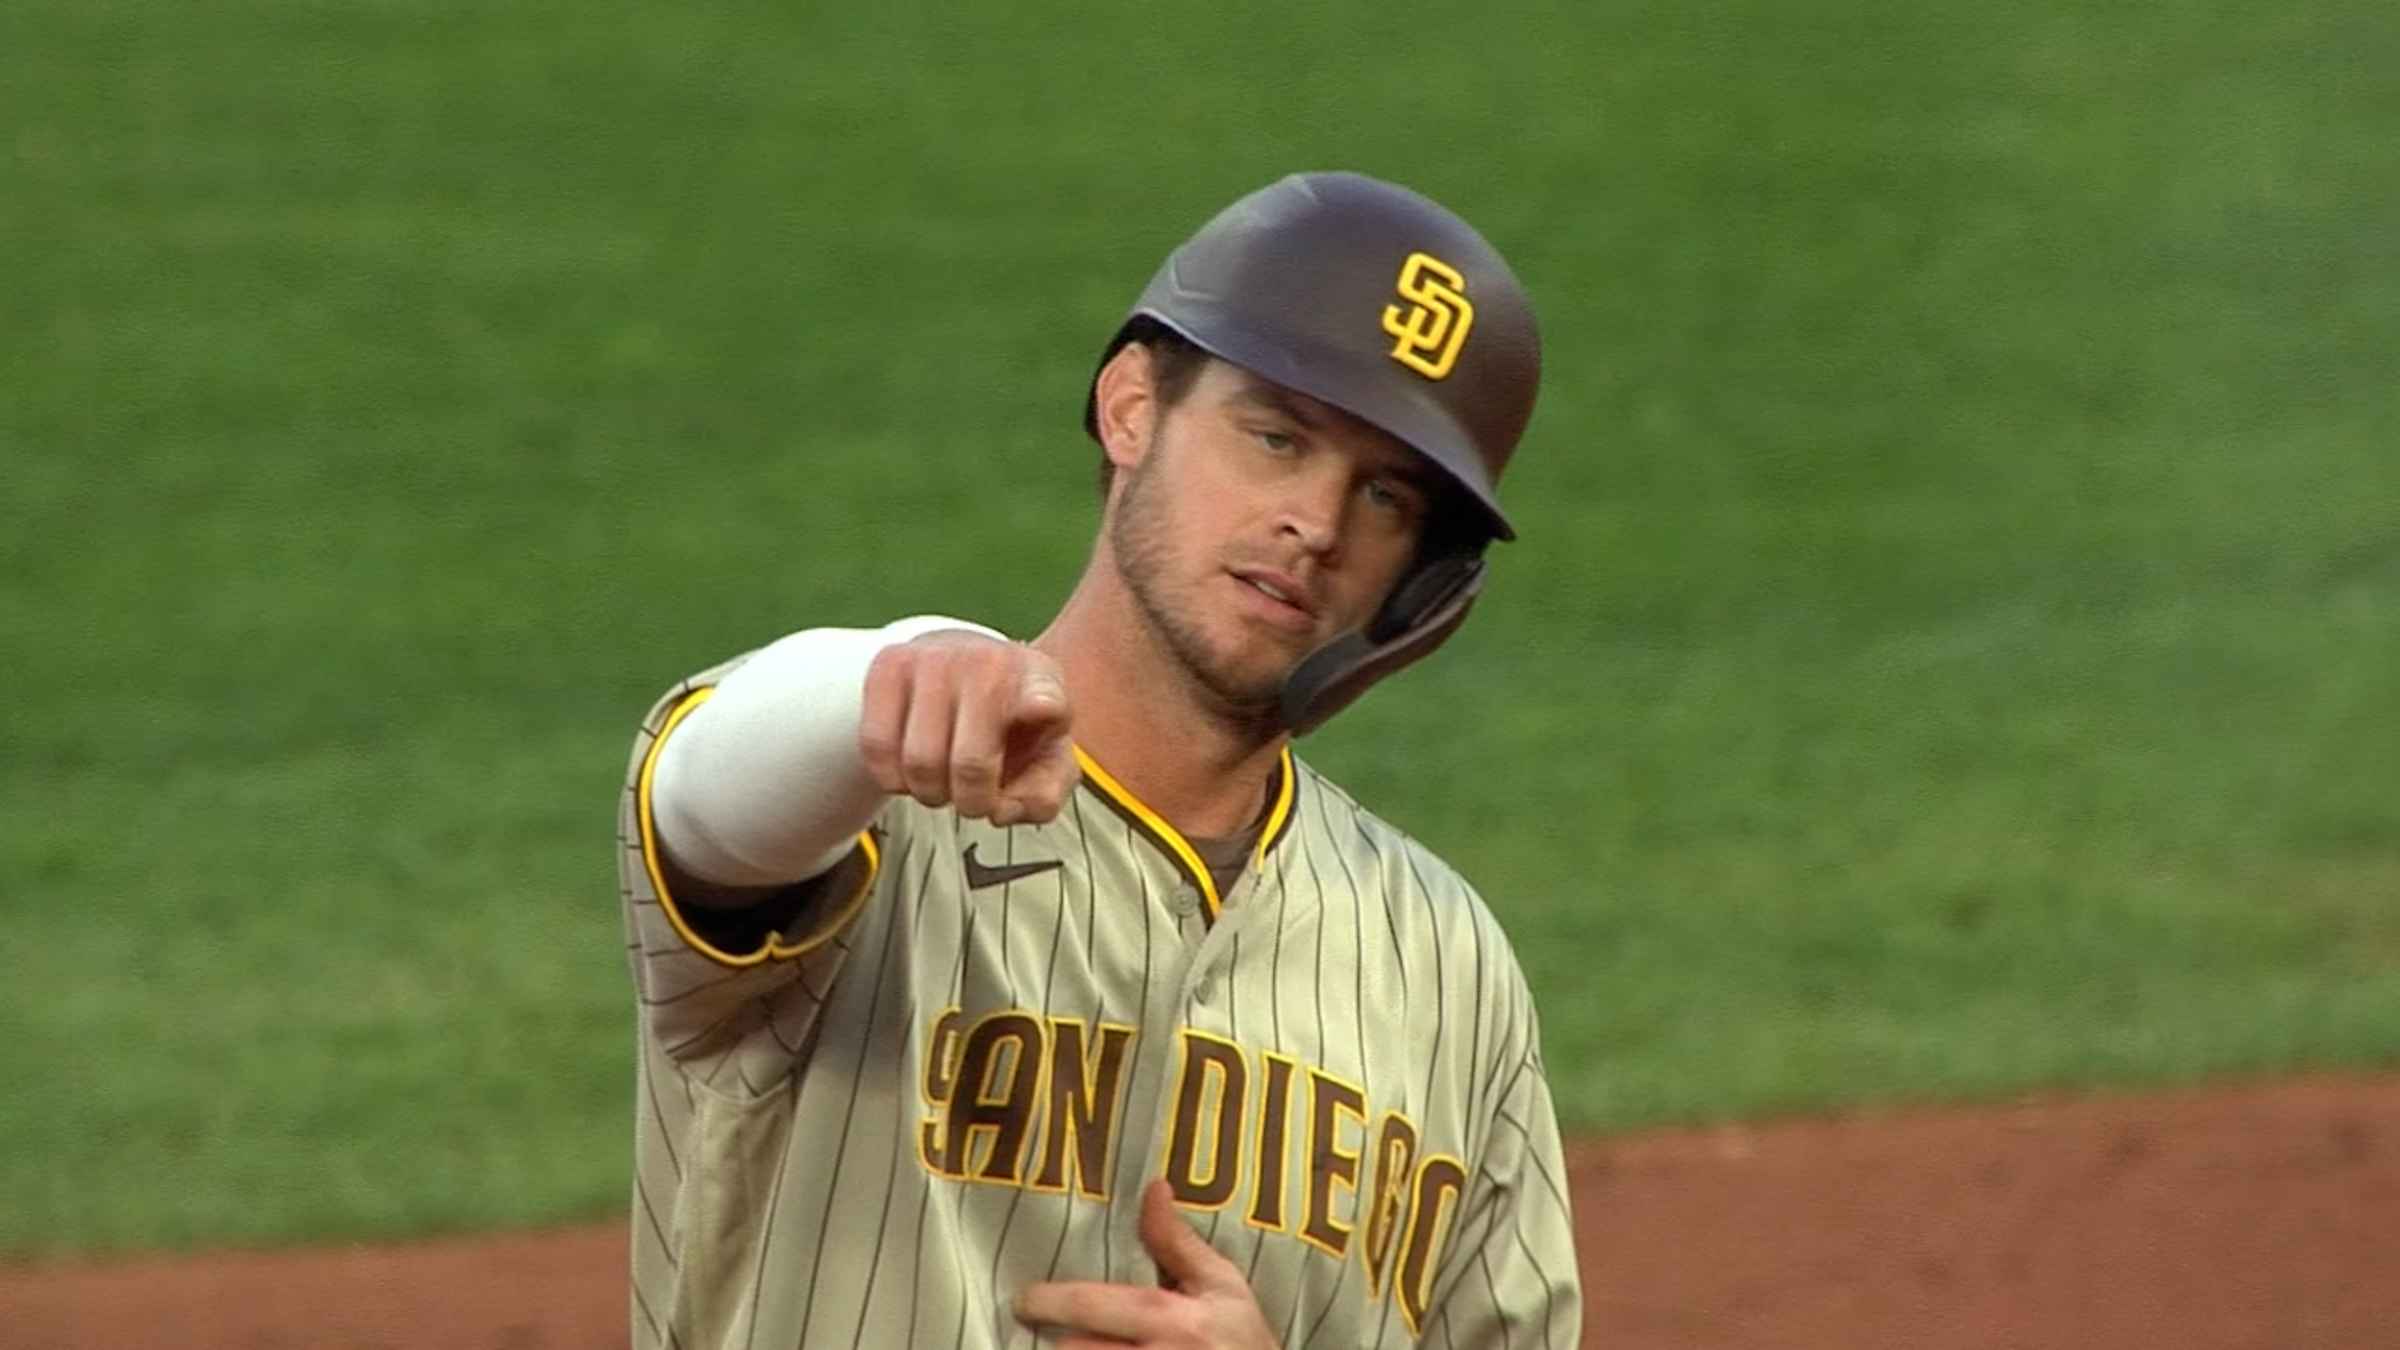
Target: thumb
[{"x": 1185, "y": 1261}]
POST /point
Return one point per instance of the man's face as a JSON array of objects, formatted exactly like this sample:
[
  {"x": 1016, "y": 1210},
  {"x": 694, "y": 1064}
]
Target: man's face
[{"x": 1258, "y": 524}]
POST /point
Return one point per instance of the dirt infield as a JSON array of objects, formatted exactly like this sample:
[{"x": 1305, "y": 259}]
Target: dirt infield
[{"x": 2260, "y": 1217}]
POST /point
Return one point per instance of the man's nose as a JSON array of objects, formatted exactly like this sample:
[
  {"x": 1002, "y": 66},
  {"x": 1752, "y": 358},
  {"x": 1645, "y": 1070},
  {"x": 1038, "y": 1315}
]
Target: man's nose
[{"x": 1314, "y": 506}]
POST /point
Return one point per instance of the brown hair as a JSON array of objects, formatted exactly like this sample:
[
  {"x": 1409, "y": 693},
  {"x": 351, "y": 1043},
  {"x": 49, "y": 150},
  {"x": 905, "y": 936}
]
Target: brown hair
[{"x": 1175, "y": 366}]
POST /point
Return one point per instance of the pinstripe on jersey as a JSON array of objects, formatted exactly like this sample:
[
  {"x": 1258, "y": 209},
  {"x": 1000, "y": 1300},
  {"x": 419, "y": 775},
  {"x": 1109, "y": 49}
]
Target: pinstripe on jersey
[{"x": 923, "y": 1096}]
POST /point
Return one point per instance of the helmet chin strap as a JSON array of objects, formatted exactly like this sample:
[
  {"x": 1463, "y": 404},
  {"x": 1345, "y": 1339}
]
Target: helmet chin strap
[{"x": 1424, "y": 609}]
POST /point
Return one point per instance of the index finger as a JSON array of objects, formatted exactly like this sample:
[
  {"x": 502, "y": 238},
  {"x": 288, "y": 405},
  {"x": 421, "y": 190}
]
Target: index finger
[{"x": 1040, "y": 704}]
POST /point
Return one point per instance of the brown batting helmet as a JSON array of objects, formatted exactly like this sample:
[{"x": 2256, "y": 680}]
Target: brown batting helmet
[{"x": 1380, "y": 302}]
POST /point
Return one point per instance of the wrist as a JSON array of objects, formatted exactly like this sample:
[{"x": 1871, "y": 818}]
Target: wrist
[{"x": 763, "y": 784}]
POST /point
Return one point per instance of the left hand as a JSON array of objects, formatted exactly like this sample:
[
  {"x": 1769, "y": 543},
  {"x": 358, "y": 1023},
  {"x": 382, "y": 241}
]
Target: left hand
[{"x": 1203, "y": 1303}]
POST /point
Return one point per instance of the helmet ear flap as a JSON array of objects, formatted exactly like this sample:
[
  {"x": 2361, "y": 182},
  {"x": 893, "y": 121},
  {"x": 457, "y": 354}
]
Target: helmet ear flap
[
  {"x": 1423, "y": 593},
  {"x": 1423, "y": 611}
]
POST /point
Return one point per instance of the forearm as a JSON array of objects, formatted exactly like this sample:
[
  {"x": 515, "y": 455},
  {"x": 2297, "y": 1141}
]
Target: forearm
[{"x": 763, "y": 784}]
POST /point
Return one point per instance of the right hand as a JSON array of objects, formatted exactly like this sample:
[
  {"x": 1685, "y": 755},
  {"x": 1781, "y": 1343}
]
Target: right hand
[{"x": 958, "y": 719}]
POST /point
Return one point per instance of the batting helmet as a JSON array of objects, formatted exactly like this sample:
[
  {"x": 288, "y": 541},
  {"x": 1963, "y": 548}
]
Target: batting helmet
[{"x": 1378, "y": 301}]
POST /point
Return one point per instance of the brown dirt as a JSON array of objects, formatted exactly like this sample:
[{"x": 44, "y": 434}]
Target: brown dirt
[{"x": 2263, "y": 1217}]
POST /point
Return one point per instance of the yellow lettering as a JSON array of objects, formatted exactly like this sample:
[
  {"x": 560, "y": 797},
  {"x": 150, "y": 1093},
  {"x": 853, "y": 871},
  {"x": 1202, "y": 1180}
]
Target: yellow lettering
[
  {"x": 1331, "y": 1163},
  {"x": 941, "y": 1075},
  {"x": 1082, "y": 1107},
  {"x": 1274, "y": 1147},
  {"x": 1440, "y": 1182},
  {"x": 1209, "y": 1095},
  {"x": 1395, "y": 1156},
  {"x": 997, "y": 1090}
]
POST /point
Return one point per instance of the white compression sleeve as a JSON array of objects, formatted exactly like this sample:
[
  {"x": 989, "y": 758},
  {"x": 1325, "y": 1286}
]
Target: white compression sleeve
[{"x": 762, "y": 785}]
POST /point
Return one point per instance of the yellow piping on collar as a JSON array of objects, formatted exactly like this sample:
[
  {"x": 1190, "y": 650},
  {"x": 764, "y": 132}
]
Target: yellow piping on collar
[{"x": 1172, "y": 839}]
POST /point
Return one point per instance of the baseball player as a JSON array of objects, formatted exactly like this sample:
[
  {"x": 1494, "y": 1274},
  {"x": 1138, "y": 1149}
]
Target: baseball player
[{"x": 999, "y": 993}]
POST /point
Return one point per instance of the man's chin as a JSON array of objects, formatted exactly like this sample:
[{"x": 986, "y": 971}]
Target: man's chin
[
  {"x": 1242, "y": 673},
  {"x": 1246, "y": 690}
]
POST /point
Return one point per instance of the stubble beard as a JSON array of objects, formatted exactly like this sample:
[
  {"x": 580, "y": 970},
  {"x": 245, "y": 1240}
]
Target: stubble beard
[{"x": 1141, "y": 541}]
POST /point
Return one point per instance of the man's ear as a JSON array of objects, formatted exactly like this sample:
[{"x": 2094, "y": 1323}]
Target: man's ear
[{"x": 1125, "y": 404}]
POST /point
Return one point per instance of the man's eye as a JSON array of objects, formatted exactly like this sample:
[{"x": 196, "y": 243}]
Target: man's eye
[
  {"x": 1278, "y": 442},
  {"x": 1384, "y": 493}
]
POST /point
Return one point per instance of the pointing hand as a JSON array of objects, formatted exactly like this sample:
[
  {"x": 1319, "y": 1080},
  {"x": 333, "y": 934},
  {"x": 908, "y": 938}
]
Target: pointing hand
[{"x": 955, "y": 718}]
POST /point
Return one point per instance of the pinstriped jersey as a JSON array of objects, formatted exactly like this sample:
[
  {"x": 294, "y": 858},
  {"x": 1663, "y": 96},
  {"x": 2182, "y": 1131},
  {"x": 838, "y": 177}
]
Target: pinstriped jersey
[{"x": 952, "y": 1071}]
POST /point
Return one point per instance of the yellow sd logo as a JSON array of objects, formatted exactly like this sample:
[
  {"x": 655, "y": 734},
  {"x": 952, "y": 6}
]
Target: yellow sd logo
[{"x": 1434, "y": 326}]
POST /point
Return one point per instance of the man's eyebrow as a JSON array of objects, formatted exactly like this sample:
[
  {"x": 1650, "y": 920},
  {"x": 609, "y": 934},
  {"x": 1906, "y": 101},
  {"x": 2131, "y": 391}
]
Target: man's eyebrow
[{"x": 1402, "y": 463}]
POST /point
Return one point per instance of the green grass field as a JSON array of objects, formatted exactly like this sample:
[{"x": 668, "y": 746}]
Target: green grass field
[{"x": 1954, "y": 649}]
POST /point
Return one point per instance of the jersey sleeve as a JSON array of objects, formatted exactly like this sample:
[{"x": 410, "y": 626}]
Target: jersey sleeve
[
  {"x": 714, "y": 983},
  {"x": 1508, "y": 1276}
]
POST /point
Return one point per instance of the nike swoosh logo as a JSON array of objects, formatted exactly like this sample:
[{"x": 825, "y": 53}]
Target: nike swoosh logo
[{"x": 979, "y": 875}]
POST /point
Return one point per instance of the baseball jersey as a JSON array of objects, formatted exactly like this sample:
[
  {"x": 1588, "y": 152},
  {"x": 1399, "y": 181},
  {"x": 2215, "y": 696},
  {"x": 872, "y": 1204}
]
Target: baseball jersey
[{"x": 950, "y": 1074}]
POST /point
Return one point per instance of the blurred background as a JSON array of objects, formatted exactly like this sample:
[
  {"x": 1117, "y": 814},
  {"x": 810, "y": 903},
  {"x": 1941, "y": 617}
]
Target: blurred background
[{"x": 1951, "y": 652}]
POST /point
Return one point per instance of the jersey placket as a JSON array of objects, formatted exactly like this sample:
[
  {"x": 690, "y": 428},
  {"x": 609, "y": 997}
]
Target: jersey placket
[{"x": 1182, "y": 888}]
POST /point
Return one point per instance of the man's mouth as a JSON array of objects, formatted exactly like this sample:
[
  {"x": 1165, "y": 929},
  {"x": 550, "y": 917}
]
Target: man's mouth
[
  {"x": 1293, "y": 606},
  {"x": 1271, "y": 589}
]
